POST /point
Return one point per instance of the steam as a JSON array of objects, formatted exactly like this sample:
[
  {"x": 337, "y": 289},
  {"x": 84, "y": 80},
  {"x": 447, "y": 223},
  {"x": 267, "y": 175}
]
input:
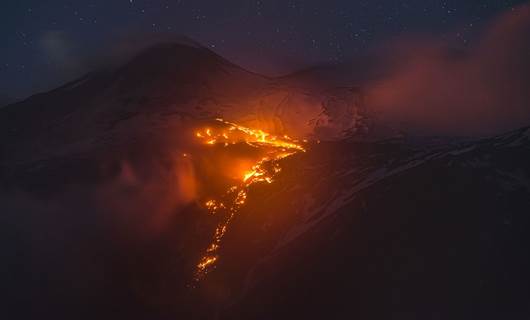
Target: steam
[
  {"x": 433, "y": 89},
  {"x": 145, "y": 199},
  {"x": 97, "y": 245}
]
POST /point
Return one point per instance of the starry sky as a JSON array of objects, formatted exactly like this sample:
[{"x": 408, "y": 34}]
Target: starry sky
[{"x": 46, "y": 43}]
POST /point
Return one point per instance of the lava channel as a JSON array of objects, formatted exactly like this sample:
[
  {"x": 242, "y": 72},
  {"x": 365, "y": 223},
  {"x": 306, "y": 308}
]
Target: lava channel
[{"x": 262, "y": 171}]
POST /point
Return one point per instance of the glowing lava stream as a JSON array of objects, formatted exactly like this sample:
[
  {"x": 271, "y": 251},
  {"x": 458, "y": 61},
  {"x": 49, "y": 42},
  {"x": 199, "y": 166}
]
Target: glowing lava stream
[{"x": 235, "y": 197}]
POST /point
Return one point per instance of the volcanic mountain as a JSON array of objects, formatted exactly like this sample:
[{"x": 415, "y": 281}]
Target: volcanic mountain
[{"x": 119, "y": 186}]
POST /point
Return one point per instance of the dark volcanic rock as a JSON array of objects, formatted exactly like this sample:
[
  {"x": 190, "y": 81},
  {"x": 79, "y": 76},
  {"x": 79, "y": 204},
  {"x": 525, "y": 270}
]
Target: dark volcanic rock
[{"x": 384, "y": 231}]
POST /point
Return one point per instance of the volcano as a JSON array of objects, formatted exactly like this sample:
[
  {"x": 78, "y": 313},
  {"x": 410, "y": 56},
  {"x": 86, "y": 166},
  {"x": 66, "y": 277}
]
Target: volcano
[{"x": 116, "y": 187}]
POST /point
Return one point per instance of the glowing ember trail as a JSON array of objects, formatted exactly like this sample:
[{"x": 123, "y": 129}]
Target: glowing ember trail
[{"x": 263, "y": 171}]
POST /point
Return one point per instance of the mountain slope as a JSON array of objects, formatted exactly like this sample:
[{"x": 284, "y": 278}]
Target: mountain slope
[
  {"x": 103, "y": 183},
  {"x": 388, "y": 231}
]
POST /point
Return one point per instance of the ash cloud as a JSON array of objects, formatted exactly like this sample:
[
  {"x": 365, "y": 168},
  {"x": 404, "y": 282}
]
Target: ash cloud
[{"x": 432, "y": 88}]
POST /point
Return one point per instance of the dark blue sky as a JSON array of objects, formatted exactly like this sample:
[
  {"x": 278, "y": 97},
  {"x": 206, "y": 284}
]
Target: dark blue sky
[{"x": 49, "y": 42}]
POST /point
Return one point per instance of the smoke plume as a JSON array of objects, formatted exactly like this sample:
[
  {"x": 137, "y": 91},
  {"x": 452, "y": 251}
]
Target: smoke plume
[{"x": 435, "y": 89}]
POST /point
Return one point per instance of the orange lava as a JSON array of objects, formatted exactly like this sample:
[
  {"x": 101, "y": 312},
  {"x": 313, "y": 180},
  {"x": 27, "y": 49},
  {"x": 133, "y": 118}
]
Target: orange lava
[{"x": 263, "y": 171}]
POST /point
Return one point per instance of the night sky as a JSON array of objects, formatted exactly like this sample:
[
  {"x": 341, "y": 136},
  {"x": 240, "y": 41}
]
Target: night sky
[{"x": 46, "y": 43}]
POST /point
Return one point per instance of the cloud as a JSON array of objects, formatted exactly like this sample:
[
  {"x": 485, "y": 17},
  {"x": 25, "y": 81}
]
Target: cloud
[{"x": 433, "y": 88}]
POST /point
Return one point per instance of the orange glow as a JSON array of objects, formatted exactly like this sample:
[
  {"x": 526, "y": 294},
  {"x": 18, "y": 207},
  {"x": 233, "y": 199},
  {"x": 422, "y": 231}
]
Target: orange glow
[
  {"x": 210, "y": 204},
  {"x": 263, "y": 170},
  {"x": 186, "y": 179},
  {"x": 248, "y": 175},
  {"x": 237, "y": 133},
  {"x": 206, "y": 261}
]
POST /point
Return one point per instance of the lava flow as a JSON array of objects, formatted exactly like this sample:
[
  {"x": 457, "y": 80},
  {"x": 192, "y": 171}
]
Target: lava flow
[{"x": 263, "y": 171}]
